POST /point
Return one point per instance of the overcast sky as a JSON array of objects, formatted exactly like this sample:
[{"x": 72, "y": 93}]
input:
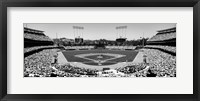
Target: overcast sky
[{"x": 95, "y": 31}]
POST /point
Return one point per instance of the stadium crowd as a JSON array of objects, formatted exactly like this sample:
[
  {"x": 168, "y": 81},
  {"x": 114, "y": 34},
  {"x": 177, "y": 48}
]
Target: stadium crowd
[
  {"x": 132, "y": 68},
  {"x": 41, "y": 65},
  {"x": 120, "y": 47},
  {"x": 38, "y": 64},
  {"x": 36, "y": 37},
  {"x": 161, "y": 37},
  {"x": 167, "y": 48},
  {"x": 161, "y": 64},
  {"x": 78, "y": 47},
  {"x": 28, "y": 49}
]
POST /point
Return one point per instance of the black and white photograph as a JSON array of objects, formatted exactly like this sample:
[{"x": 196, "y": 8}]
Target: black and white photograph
[{"x": 99, "y": 50}]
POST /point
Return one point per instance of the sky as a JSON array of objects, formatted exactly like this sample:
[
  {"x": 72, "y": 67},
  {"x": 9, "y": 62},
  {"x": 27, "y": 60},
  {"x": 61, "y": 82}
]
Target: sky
[{"x": 95, "y": 31}]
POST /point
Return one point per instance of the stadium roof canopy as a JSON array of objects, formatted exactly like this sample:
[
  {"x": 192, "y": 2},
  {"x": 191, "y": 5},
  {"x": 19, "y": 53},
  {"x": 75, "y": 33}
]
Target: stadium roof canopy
[
  {"x": 169, "y": 30},
  {"x": 35, "y": 31}
]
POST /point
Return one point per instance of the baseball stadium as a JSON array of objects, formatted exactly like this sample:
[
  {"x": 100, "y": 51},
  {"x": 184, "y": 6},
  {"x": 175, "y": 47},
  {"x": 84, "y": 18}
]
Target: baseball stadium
[{"x": 78, "y": 57}]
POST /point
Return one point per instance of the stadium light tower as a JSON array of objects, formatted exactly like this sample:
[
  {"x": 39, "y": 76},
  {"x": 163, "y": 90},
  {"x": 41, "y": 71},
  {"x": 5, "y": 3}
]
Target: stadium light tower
[
  {"x": 78, "y": 34},
  {"x": 121, "y": 34},
  {"x": 121, "y": 31}
]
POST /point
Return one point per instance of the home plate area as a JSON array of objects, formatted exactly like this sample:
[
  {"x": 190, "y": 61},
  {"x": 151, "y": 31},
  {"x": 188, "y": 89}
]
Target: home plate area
[{"x": 99, "y": 59}]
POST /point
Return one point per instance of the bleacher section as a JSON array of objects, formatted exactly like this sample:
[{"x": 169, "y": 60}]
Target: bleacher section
[
  {"x": 164, "y": 40},
  {"x": 164, "y": 37},
  {"x": 167, "y": 48},
  {"x": 35, "y": 41},
  {"x": 36, "y": 37},
  {"x": 78, "y": 47},
  {"x": 33, "y": 37},
  {"x": 120, "y": 47}
]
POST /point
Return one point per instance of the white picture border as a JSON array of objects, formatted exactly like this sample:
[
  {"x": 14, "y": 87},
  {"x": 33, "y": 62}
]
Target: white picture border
[{"x": 182, "y": 84}]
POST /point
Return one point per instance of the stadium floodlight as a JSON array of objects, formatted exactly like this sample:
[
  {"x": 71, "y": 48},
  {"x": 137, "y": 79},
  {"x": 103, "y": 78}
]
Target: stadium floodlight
[
  {"x": 78, "y": 31},
  {"x": 121, "y": 31}
]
